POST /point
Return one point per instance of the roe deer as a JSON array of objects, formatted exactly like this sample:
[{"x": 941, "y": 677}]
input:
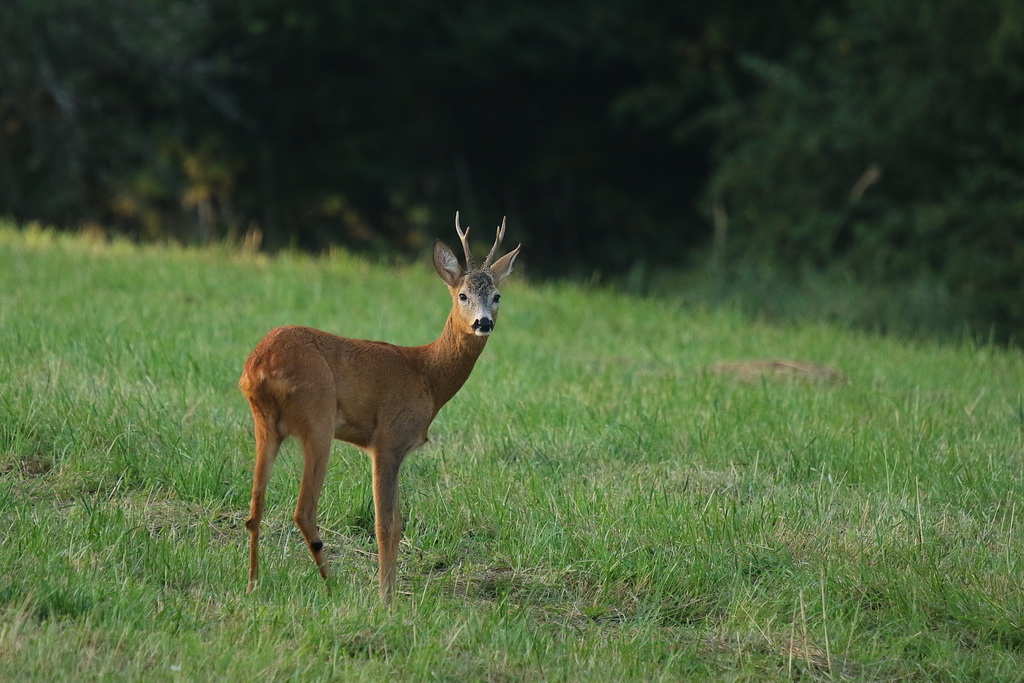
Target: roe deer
[{"x": 318, "y": 387}]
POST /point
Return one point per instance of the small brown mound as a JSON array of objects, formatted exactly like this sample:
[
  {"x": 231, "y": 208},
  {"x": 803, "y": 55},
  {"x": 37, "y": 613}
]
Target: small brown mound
[
  {"x": 775, "y": 369},
  {"x": 34, "y": 465}
]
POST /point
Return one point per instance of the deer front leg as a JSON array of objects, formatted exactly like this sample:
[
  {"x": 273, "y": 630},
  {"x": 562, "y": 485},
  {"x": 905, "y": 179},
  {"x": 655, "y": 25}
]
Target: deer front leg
[{"x": 389, "y": 518}]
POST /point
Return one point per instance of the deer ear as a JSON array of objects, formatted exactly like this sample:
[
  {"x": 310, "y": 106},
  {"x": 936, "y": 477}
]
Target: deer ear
[
  {"x": 503, "y": 266},
  {"x": 446, "y": 265}
]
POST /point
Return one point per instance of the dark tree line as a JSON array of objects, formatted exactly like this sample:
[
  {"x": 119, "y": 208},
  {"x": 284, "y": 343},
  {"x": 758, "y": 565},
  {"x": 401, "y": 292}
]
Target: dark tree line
[{"x": 887, "y": 136}]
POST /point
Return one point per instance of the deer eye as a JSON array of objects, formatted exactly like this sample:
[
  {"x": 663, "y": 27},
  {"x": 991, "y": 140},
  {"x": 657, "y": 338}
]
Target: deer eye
[
  {"x": 463, "y": 297},
  {"x": 497, "y": 298}
]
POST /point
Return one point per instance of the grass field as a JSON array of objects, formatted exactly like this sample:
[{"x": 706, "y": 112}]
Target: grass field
[{"x": 594, "y": 505}]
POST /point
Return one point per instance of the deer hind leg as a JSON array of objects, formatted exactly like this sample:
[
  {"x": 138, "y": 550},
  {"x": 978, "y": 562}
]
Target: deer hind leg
[
  {"x": 316, "y": 450},
  {"x": 389, "y": 517},
  {"x": 268, "y": 443}
]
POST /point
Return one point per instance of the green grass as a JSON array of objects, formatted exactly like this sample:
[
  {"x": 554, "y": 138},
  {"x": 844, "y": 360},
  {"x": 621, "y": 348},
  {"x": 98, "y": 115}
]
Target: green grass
[{"x": 594, "y": 505}]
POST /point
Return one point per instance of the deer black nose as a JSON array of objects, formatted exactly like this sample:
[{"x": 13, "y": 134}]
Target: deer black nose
[{"x": 483, "y": 325}]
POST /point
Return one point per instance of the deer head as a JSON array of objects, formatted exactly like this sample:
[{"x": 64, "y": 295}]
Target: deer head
[{"x": 475, "y": 295}]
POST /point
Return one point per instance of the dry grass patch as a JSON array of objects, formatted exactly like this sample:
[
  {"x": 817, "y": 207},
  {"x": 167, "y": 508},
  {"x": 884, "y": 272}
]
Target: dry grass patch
[{"x": 779, "y": 370}]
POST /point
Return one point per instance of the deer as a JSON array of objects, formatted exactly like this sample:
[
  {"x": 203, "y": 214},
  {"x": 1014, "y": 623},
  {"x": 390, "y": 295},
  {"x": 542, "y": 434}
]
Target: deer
[{"x": 317, "y": 387}]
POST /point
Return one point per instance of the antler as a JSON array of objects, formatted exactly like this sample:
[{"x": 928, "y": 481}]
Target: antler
[
  {"x": 464, "y": 236},
  {"x": 497, "y": 243}
]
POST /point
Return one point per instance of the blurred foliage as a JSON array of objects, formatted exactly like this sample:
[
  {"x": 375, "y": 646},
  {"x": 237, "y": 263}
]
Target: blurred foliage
[
  {"x": 368, "y": 124},
  {"x": 618, "y": 136},
  {"x": 891, "y": 142}
]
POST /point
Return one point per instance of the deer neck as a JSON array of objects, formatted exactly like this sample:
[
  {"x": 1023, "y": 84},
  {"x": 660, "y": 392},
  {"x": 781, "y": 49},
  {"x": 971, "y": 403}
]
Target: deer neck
[{"x": 449, "y": 360}]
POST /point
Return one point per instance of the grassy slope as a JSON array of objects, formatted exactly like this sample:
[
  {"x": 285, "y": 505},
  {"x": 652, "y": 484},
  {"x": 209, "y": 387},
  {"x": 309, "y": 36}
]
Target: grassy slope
[{"x": 593, "y": 505}]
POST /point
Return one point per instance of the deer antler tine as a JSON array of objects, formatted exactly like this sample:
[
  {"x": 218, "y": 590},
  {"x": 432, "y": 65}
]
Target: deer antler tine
[
  {"x": 464, "y": 237},
  {"x": 497, "y": 243}
]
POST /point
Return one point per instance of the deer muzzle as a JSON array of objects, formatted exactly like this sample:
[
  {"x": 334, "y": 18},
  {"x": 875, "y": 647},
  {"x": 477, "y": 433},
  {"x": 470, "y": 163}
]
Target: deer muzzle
[{"x": 483, "y": 326}]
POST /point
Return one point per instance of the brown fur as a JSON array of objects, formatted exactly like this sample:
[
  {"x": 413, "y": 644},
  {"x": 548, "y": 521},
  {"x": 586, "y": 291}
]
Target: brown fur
[{"x": 317, "y": 387}]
